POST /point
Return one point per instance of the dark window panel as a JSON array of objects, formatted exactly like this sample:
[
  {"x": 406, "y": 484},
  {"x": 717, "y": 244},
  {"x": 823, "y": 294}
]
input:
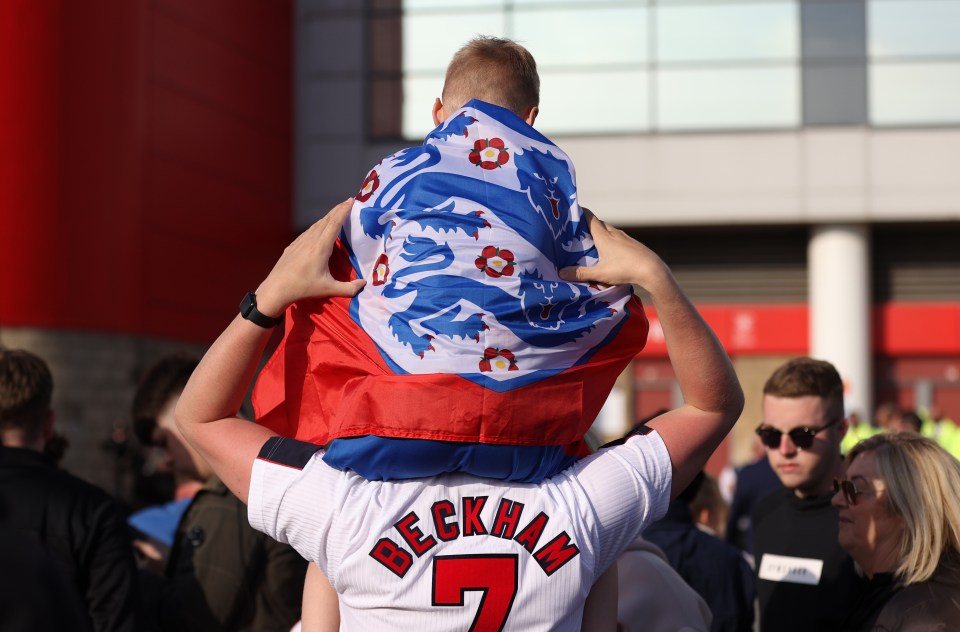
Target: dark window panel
[
  {"x": 385, "y": 46},
  {"x": 835, "y": 94},
  {"x": 918, "y": 262},
  {"x": 385, "y": 5},
  {"x": 834, "y": 30},
  {"x": 384, "y": 108},
  {"x": 384, "y": 95},
  {"x": 734, "y": 264}
]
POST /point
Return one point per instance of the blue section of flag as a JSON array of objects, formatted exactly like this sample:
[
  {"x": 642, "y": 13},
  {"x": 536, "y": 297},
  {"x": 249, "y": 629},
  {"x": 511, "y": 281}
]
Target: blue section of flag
[{"x": 379, "y": 458}]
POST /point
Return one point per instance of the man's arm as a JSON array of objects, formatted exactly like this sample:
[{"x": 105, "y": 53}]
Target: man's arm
[
  {"x": 321, "y": 604},
  {"x": 600, "y": 609},
  {"x": 711, "y": 392},
  {"x": 206, "y": 412}
]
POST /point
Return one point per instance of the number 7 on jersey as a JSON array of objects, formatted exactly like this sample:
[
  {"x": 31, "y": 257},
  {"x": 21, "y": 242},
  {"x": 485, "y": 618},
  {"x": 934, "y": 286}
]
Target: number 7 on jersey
[{"x": 494, "y": 575}]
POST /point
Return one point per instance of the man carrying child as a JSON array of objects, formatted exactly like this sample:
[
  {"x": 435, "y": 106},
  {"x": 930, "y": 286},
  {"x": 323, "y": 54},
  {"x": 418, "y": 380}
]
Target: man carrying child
[{"x": 454, "y": 550}]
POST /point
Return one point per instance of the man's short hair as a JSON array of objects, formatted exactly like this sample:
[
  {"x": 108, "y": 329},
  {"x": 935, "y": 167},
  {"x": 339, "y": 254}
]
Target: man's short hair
[
  {"x": 802, "y": 377},
  {"x": 163, "y": 380},
  {"x": 495, "y": 70},
  {"x": 26, "y": 388}
]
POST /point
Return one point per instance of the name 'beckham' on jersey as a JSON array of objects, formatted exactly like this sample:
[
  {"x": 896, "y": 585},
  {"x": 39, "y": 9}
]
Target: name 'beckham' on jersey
[{"x": 448, "y": 526}]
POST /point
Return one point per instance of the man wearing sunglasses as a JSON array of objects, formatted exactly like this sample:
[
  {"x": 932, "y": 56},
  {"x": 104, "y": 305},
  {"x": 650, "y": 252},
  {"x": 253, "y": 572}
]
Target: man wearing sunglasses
[{"x": 805, "y": 580}]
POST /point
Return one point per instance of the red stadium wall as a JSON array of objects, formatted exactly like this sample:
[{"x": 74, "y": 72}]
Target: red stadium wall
[
  {"x": 146, "y": 161},
  {"x": 913, "y": 343},
  {"x": 899, "y": 329}
]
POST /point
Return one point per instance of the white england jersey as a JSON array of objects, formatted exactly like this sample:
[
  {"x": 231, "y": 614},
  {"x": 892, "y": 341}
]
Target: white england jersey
[{"x": 456, "y": 552}]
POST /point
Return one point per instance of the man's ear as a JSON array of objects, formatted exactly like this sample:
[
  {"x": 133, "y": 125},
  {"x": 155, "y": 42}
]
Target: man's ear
[
  {"x": 531, "y": 115},
  {"x": 843, "y": 427},
  {"x": 439, "y": 114}
]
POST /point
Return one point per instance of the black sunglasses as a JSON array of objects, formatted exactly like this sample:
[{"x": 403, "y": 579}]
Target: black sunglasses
[
  {"x": 802, "y": 437},
  {"x": 850, "y": 491}
]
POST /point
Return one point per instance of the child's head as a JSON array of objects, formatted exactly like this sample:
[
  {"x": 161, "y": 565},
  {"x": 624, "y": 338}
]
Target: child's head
[{"x": 495, "y": 70}]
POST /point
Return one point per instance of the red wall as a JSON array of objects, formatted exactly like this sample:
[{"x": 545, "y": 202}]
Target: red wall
[
  {"x": 146, "y": 161},
  {"x": 899, "y": 329},
  {"x": 912, "y": 343}
]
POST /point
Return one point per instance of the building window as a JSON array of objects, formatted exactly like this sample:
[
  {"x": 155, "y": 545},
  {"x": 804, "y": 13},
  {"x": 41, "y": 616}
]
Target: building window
[
  {"x": 914, "y": 51},
  {"x": 716, "y": 98},
  {"x": 606, "y": 66}
]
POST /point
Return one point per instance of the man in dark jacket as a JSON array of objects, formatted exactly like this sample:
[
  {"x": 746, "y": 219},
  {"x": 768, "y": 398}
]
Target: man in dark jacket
[
  {"x": 805, "y": 580},
  {"x": 221, "y": 574},
  {"x": 72, "y": 529},
  {"x": 712, "y": 567}
]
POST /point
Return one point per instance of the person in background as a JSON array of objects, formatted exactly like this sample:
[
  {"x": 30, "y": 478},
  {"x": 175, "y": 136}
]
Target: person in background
[
  {"x": 885, "y": 415},
  {"x": 221, "y": 574},
  {"x": 75, "y": 532},
  {"x": 708, "y": 508},
  {"x": 38, "y": 597},
  {"x": 713, "y": 568},
  {"x": 937, "y": 425},
  {"x": 755, "y": 481},
  {"x": 157, "y": 524},
  {"x": 899, "y": 514},
  {"x": 908, "y": 421},
  {"x": 805, "y": 580},
  {"x": 652, "y": 597},
  {"x": 859, "y": 429}
]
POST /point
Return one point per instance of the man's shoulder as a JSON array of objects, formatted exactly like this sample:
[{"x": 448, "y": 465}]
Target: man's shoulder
[
  {"x": 103, "y": 511},
  {"x": 39, "y": 475},
  {"x": 214, "y": 502},
  {"x": 718, "y": 548}
]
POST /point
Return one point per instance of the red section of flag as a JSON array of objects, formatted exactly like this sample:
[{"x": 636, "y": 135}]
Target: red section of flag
[{"x": 328, "y": 380}]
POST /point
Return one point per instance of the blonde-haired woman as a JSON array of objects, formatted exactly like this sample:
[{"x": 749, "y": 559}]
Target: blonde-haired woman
[{"x": 899, "y": 511}]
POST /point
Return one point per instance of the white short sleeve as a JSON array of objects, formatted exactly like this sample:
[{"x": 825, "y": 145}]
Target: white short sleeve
[
  {"x": 292, "y": 496},
  {"x": 628, "y": 488}
]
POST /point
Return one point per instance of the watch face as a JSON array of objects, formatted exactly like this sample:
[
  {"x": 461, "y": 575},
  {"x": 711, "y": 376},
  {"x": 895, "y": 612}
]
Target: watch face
[{"x": 247, "y": 304}]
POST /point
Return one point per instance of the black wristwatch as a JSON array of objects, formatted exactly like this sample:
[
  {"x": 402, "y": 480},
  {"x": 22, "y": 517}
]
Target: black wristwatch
[{"x": 248, "y": 309}]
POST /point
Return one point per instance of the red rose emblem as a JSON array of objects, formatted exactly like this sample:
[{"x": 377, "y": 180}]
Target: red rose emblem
[
  {"x": 489, "y": 153},
  {"x": 369, "y": 185},
  {"x": 381, "y": 270},
  {"x": 497, "y": 360},
  {"x": 495, "y": 262}
]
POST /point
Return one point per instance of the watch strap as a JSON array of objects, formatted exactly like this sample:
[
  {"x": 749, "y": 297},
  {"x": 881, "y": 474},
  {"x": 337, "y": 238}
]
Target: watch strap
[{"x": 248, "y": 309}]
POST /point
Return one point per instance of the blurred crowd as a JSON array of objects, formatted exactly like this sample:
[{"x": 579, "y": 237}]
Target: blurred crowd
[{"x": 177, "y": 554}]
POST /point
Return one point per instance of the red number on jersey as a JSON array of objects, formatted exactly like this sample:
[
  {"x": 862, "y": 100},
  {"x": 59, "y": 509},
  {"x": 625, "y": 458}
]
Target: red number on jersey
[{"x": 494, "y": 575}]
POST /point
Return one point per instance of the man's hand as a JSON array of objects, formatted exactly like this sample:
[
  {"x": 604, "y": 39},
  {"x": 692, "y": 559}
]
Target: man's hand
[
  {"x": 303, "y": 271},
  {"x": 149, "y": 557},
  {"x": 711, "y": 393},
  {"x": 621, "y": 259}
]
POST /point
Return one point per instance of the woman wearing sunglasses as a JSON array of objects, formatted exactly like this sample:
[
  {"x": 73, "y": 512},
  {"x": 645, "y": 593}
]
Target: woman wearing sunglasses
[{"x": 899, "y": 507}]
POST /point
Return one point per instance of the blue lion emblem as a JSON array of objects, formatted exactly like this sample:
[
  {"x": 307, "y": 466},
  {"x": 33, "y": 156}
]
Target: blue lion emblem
[
  {"x": 546, "y": 188},
  {"x": 545, "y": 314},
  {"x": 456, "y": 126},
  {"x": 436, "y": 198},
  {"x": 551, "y": 192}
]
